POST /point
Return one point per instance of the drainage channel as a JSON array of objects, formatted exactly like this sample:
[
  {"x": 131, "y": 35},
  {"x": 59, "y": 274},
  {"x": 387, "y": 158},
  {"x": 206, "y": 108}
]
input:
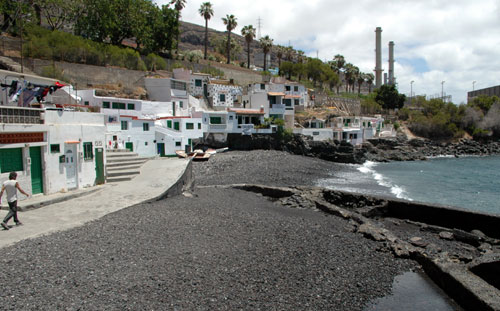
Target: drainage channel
[{"x": 414, "y": 291}]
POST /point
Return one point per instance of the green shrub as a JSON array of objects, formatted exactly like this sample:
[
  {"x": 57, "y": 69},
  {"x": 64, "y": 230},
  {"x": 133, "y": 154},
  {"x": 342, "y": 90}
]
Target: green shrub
[
  {"x": 154, "y": 62},
  {"x": 53, "y": 72}
]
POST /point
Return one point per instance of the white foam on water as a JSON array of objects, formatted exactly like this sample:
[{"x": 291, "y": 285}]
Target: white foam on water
[{"x": 398, "y": 191}]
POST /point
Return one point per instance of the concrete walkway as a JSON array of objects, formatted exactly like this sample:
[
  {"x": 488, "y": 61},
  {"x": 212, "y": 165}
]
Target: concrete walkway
[{"x": 44, "y": 214}]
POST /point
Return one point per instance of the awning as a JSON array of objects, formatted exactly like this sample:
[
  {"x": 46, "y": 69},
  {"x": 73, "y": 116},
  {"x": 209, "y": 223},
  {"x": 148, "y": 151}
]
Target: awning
[
  {"x": 275, "y": 94},
  {"x": 72, "y": 142},
  {"x": 293, "y": 96}
]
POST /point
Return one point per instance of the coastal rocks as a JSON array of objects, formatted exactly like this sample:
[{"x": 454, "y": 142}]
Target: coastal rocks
[{"x": 446, "y": 235}]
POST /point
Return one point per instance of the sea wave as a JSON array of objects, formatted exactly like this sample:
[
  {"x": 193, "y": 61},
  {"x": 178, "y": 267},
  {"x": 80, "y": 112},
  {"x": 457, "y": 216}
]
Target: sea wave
[{"x": 369, "y": 168}]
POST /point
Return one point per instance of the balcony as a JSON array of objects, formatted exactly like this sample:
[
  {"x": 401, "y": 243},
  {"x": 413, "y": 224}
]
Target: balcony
[{"x": 21, "y": 115}]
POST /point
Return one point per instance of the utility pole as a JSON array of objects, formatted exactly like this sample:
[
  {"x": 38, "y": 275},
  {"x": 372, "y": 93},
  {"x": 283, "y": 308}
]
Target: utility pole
[
  {"x": 473, "y": 83},
  {"x": 442, "y": 90},
  {"x": 259, "y": 26},
  {"x": 411, "y": 92}
]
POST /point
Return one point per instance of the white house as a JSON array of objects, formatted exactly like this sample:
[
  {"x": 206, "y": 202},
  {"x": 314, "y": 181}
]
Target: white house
[
  {"x": 233, "y": 120},
  {"x": 177, "y": 133},
  {"x": 222, "y": 94},
  {"x": 136, "y": 134}
]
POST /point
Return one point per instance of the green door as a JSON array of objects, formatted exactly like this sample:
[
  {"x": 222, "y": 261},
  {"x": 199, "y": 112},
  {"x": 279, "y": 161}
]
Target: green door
[
  {"x": 36, "y": 170},
  {"x": 161, "y": 149},
  {"x": 99, "y": 166},
  {"x": 129, "y": 146}
]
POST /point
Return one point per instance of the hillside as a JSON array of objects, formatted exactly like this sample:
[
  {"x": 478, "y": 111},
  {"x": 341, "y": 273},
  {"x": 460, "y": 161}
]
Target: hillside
[{"x": 193, "y": 38}]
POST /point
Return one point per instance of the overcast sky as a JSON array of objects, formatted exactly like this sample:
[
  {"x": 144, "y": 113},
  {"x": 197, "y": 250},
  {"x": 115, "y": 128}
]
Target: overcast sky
[{"x": 435, "y": 40}]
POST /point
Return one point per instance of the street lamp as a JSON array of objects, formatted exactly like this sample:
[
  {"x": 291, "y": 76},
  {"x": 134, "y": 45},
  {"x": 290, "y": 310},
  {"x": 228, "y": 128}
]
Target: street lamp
[{"x": 442, "y": 90}]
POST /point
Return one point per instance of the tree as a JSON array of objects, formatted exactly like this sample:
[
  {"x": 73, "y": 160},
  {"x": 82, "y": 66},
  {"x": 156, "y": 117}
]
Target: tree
[
  {"x": 249, "y": 33},
  {"x": 360, "y": 79},
  {"x": 178, "y": 6},
  {"x": 338, "y": 64},
  {"x": 231, "y": 23},
  {"x": 221, "y": 46},
  {"x": 350, "y": 74},
  {"x": 266, "y": 44},
  {"x": 206, "y": 11},
  {"x": 280, "y": 50},
  {"x": 369, "y": 80},
  {"x": 56, "y": 12},
  {"x": 314, "y": 70},
  {"x": 389, "y": 98}
]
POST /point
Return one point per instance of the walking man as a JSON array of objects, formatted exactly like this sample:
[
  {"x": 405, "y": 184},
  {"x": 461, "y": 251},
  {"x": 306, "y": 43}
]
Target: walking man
[{"x": 11, "y": 186}]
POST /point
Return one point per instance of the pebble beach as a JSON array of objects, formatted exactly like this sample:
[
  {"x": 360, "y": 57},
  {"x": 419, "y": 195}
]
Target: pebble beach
[{"x": 214, "y": 248}]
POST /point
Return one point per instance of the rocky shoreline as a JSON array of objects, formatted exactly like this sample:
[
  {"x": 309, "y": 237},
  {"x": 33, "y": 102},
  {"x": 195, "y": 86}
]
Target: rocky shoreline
[{"x": 399, "y": 148}]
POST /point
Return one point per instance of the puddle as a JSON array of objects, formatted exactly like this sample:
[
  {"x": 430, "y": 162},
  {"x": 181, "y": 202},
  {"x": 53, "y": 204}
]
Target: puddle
[{"x": 414, "y": 291}]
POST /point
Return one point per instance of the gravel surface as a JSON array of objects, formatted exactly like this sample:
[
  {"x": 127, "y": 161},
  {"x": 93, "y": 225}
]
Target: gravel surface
[{"x": 218, "y": 249}]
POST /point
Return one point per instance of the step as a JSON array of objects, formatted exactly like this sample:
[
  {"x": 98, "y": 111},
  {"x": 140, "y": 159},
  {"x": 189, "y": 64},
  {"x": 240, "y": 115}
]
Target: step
[
  {"x": 117, "y": 150},
  {"x": 125, "y": 165},
  {"x": 121, "y": 154},
  {"x": 126, "y": 159},
  {"x": 118, "y": 179},
  {"x": 116, "y": 173}
]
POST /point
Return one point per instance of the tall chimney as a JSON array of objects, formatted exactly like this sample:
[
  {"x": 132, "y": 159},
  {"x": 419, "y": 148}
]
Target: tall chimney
[
  {"x": 378, "y": 57},
  {"x": 391, "y": 62}
]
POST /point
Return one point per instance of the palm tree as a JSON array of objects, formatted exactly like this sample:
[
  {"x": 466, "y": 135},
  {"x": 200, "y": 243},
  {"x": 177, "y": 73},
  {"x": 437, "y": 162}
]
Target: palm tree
[
  {"x": 206, "y": 11},
  {"x": 338, "y": 64},
  {"x": 178, "y": 6},
  {"x": 249, "y": 33},
  {"x": 369, "y": 80},
  {"x": 350, "y": 75},
  {"x": 360, "y": 79},
  {"x": 230, "y": 22},
  {"x": 280, "y": 51},
  {"x": 266, "y": 43}
]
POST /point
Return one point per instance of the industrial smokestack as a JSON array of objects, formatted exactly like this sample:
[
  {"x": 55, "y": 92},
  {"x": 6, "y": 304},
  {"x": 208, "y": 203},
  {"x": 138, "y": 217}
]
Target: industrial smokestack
[
  {"x": 391, "y": 63},
  {"x": 378, "y": 57}
]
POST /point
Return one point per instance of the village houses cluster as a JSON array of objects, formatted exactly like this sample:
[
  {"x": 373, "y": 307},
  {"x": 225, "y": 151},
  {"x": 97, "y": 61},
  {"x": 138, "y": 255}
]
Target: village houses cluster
[{"x": 58, "y": 139}]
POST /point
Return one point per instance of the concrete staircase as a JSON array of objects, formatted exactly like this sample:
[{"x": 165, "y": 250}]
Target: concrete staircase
[{"x": 122, "y": 165}]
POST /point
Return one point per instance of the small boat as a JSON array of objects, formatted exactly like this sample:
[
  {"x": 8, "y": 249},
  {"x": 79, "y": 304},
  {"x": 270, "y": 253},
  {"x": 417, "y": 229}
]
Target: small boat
[{"x": 203, "y": 156}]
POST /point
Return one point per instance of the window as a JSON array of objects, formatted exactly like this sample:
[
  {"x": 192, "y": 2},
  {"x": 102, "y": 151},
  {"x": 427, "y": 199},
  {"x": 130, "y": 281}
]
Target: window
[
  {"x": 145, "y": 127},
  {"x": 118, "y": 106},
  {"x": 181, "y": 104},
  {"x": 169, "y": 124},
  {"x": 55, "y": 148},
  {"x": 215, "y": 120},
  {"x": 178, "y": 85},
  {"x": 145, "y": 143},
  {"x": 189, "y": 126},
  {"x": 86, "y": 103},
  {"x": 297, "y": 102},
  {"x": 177, "y": 143},
  {"x": 262, "y": 86},
  {"x": 124, "y": 125},
  {"x": 296, "y": 88},
  {"x": 197, "y": 82},
  {"x": 199, "y": 126},
  {"x": 287, "y": 88},
  {"x": 176, "y": 126},
  {"x": 222, "y": 97},
  {"x": 288, "y": 102},
  {"x": 315, "y": 133},
  {"x": 11, "y": 160},
  {"x": 87, "y": 151},
  {"x": 105, "y": 104},
  {"x": 130, "y": 106}
]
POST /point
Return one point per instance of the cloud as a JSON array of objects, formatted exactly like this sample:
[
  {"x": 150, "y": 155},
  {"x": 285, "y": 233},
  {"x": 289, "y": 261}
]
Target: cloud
[{"x": 453, "y": 41}]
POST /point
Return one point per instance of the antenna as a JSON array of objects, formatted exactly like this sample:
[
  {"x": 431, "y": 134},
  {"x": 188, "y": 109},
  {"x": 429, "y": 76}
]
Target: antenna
[{"x": 259, "y": 26}]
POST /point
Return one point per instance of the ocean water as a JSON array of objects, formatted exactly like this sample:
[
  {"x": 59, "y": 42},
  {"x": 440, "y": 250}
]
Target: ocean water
[{"x": 469, "y": 182}]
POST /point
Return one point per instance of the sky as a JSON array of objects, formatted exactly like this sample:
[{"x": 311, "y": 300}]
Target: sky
[{"x": 457, "y": 42}]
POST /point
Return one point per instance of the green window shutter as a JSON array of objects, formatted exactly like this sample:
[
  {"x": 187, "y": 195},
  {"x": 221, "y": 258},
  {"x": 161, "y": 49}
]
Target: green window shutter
[
  {"x": 124, "y": 125},
  {"x": 11, "y": 160},
  {"x": 197, "y": 82},
  {"x": 169, "y": 124},
  {"x": 181, "y": 104},
  {"x": 105, "y": 104},
  {"x": 86, "y": 103},
  {"x": 189, "y": 141},
  {"x": 176, "y": 126},
  {"x": 87, "y": 151},
  {"x": 145, "y": 127},
  {"x": 177, "y": 143},
  {"x": 215, "y": 120},
  {"x": 55, "y": 148},
  {"x": 130, "y": 106},
  {"x": 189, "y": 126},
  {"x": 199, "y": 126}
]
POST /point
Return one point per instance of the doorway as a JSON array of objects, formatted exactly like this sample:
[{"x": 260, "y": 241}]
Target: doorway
[
  {"x": 70, "y": 155},
  {"x": 36, "y": 170}
]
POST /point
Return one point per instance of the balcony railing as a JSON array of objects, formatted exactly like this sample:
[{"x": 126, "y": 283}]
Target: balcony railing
[{"x": 20, "y": 115}]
